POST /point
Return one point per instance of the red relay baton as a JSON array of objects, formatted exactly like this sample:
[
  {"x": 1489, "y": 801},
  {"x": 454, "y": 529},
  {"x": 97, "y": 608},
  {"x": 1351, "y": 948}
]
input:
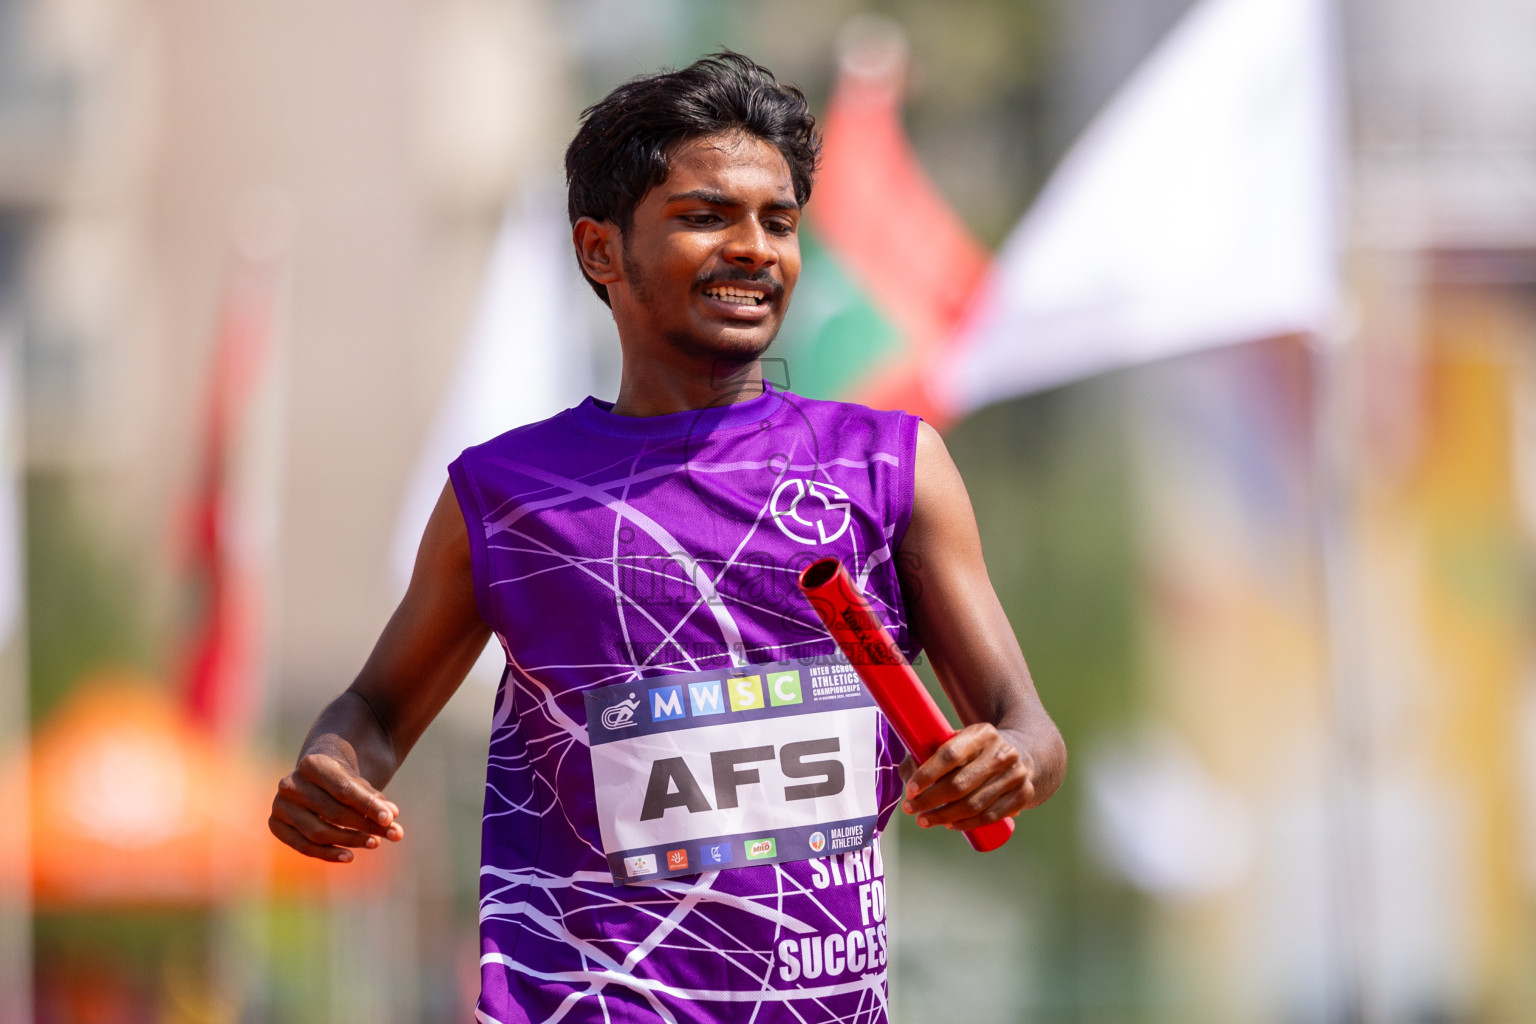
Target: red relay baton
[{"x": 886, "y": 674}]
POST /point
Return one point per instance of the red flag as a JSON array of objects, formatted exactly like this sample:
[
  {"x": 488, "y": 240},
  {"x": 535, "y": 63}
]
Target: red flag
[
  {"x": 889, "y": 227},
  {"x": 219, "y": 689}
]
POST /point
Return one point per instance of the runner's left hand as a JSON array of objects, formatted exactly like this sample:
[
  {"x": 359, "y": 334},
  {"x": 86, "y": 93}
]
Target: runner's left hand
[{"x": 977, "y": 777}]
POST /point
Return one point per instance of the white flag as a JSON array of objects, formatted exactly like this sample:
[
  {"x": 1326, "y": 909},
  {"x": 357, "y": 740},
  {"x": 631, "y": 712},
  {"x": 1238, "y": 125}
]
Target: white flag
[
  {"x": 1197, "y": 210},
  {"x": 527, "y": 356}
]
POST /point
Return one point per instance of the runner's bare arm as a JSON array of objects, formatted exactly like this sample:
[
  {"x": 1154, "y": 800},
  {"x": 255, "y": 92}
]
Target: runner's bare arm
[
  {"x": 332, "y": 801},
  {"x": 1010, "y": 755}
]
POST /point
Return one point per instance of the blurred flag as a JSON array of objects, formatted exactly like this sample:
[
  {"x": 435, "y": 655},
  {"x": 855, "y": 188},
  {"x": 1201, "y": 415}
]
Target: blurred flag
[
  {"x": 888, "y": 268},
  {"x": 234, "y": 508},
  {"x": 1197, "y": 210},
  {"x": 1159, "y": 819},
  {"x": 527, "y": 356}
]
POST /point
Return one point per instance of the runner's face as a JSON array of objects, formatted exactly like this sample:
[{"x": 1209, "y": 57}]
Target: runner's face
[{"x": 713, "y": 254}]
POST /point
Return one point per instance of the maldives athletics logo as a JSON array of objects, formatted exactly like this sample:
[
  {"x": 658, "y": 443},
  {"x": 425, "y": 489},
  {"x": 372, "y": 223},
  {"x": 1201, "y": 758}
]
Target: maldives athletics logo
[
  {"x": 622, "y": 714},
  {"x": 804, "y": 509}
]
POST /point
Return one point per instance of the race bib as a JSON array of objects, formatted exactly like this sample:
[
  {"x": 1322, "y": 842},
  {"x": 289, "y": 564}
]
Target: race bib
[{"x": 729, "y": 768}]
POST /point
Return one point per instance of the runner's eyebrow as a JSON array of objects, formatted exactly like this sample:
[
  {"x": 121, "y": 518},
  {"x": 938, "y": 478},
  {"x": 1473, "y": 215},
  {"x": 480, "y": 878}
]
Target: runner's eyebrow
[{"x": 704, "y": 195}]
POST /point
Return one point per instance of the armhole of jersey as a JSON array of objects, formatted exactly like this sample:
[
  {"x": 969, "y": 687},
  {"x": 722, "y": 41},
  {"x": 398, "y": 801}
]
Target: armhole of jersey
[
  {"x": 474, "y": 524},
  {"x": 906, "y": 478},
  {"x": 903, "y": 494}
]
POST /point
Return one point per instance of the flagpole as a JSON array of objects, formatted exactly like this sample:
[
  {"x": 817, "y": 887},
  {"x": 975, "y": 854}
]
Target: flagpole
[
  {"x": 15, "y": 732},
  {"x": 1335, "y": 465},
  {"x": 1347, "y": 806}
]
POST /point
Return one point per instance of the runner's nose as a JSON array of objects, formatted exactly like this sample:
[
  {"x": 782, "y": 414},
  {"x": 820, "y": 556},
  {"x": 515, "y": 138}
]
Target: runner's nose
[{"x": 749, "y": 246}]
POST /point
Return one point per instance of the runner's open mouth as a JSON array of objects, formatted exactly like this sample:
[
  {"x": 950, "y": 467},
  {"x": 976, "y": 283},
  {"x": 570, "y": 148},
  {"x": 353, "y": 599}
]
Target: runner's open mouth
[{"x": 739, "y": 296}]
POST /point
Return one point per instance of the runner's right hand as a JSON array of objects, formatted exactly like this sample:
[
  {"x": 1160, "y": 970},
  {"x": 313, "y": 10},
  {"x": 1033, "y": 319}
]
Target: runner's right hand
[{"x": 323, "y": 807}]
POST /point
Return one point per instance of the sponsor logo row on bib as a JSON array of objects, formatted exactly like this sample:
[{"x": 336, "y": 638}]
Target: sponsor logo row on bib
[
  {"x": 710, "y": 855},
  {"x": 713, "y": 855},
  {"x": 708, "y": 697}
]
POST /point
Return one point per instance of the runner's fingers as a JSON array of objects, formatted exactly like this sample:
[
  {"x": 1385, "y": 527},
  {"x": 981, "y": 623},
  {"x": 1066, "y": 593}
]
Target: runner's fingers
[
  {"x": 291, "y": 836},
  {"x": 969, "y": 745},
  {"x": 1001, "y": 759},
  {"x": 1001, "y": 797},
  {"x": 346, "y": 787},
  {"x": 938, "y": 793},
  {"x": 321, "y": 832},
  {"x": 1008, "y": 804},
  {"x": 309, "y": 795},
  {"x": 956, "y": 751},
  {"x": 971, "y": 794}
]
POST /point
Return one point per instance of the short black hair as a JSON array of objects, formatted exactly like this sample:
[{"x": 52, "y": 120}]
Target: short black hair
[{"x": 620, "y": 152}]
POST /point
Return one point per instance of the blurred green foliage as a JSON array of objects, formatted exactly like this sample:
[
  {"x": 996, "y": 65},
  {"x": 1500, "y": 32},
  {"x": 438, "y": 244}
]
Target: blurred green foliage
[
  {"x": 1050, "y": 479},
  {"x": 86, "y": 603},
  {"x": 135, "y": 940}
]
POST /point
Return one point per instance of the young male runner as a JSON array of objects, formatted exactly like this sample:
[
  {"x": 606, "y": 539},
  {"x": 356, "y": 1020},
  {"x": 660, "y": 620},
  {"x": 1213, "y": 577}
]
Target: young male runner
[{"x": 637, "y": 562}]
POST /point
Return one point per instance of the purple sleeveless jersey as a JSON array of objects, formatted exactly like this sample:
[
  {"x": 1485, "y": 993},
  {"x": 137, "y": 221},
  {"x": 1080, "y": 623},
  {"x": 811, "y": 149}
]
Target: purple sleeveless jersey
[{"x": 607, "y": 549}]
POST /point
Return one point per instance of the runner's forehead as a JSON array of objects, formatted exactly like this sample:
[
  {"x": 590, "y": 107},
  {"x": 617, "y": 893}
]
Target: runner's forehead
[{"x": 730, "y": 169}]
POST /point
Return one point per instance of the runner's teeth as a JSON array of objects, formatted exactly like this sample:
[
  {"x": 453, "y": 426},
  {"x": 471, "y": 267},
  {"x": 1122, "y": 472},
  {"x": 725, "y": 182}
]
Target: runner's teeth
[{"x": 732, "y": 295}]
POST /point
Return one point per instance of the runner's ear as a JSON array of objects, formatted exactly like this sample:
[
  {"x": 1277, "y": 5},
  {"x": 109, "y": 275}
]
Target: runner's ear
[{"x": 599, "y": 246}]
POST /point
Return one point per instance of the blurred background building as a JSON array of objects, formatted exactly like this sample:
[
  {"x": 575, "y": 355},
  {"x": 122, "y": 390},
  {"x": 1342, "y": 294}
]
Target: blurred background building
[{"x": 262, "y": 267}]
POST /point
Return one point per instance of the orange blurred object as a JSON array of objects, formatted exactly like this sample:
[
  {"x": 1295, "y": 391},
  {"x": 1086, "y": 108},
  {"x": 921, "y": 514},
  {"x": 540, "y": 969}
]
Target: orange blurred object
[{"x": 133, "y": 805}]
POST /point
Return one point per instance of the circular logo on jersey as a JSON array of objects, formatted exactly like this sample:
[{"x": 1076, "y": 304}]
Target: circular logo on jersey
[
  {"x": 810, "y": 511},
  {"x": 818, "y": 842}
]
